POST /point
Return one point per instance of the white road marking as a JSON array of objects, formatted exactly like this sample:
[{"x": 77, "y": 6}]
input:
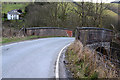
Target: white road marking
[{"x": 57, "y": 62}]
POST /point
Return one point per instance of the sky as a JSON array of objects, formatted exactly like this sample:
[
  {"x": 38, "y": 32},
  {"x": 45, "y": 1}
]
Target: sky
[{"x": 105, "y": 1}]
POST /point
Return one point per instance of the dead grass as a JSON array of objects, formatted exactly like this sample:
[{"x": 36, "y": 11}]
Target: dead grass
[{"x": 85, "y": 63}]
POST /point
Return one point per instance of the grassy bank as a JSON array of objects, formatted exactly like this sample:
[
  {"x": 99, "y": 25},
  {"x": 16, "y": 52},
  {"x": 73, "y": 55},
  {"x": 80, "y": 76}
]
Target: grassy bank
[
  {"x": 17, "y": 39},
  {"x": 85, "y": 63},
  {"x": 8, "y": 7}
]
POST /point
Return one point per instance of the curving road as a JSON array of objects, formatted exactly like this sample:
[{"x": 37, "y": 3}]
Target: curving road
[{"x": 33, "y": 58}]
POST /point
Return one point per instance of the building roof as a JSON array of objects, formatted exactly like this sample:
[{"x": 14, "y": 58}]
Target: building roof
[{"x": 14, "y": 12}]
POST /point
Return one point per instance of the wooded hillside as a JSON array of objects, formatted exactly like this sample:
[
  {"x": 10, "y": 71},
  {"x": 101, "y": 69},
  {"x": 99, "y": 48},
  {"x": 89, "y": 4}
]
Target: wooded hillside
[{"x": 69, "y": 15}]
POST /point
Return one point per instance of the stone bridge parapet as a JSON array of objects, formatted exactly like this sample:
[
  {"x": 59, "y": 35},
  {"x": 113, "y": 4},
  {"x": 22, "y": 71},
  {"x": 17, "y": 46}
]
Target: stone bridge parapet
[
  {"x": 48, "y": 31},
  {"x": 95, "y": 38}
]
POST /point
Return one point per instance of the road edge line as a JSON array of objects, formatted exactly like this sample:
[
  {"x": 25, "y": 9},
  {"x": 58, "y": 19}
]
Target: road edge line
[{"x": 57, "y": 62}]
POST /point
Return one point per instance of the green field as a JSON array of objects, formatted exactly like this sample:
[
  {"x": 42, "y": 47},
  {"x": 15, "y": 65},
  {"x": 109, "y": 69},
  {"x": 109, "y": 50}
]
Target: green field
[{"x": 8, "y": 7}]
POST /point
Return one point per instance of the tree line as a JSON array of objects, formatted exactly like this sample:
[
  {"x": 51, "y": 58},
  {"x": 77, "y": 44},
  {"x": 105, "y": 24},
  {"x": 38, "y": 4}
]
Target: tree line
[{"x": 69, "y": 14}]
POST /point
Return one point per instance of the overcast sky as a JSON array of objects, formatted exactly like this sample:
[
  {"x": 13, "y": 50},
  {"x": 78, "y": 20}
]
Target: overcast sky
[{"x": 105, "y": 1}]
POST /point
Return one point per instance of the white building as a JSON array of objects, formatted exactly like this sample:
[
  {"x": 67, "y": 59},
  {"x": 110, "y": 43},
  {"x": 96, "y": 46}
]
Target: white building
[{"x": 14, "y": 14}]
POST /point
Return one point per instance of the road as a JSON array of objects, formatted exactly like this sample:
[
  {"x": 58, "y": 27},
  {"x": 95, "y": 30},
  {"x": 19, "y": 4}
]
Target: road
[{"x": 33, "y": 58}]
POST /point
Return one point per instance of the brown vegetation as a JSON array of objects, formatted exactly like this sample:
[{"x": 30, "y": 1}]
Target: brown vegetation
[
  {"x": 11, "y": 32},
  {"x": 86, "y": 63}
]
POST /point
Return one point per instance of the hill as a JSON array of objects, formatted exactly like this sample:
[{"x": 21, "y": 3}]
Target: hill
[
  {"x": 11, "y": 6},
  {"x": 114, "y": 7},
  {"x": 116, "y": 2},
  {"x": 67, "y": 14}
]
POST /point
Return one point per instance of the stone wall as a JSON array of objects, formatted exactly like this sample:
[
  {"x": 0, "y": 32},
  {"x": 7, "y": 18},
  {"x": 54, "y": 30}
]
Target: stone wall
[
  {"x": 94, "y": 46},
  {"x": 46, "y": 32},
  {"x": 89, "y": 35}
]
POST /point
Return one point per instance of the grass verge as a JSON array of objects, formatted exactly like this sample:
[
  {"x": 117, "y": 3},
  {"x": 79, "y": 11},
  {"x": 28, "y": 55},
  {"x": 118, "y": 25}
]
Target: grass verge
[{"x": 17, "y": 39}]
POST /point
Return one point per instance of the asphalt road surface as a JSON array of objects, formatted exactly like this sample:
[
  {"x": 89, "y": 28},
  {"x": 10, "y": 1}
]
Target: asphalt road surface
[{"x": 33, "y": 58}]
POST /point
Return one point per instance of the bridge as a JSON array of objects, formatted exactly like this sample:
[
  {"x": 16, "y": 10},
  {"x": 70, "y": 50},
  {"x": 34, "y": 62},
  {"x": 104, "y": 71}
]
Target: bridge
[
  {"x": 48, "y": 31},
  {"x": 98, "y": 39},
  {"x": 39, "y": 56}
]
